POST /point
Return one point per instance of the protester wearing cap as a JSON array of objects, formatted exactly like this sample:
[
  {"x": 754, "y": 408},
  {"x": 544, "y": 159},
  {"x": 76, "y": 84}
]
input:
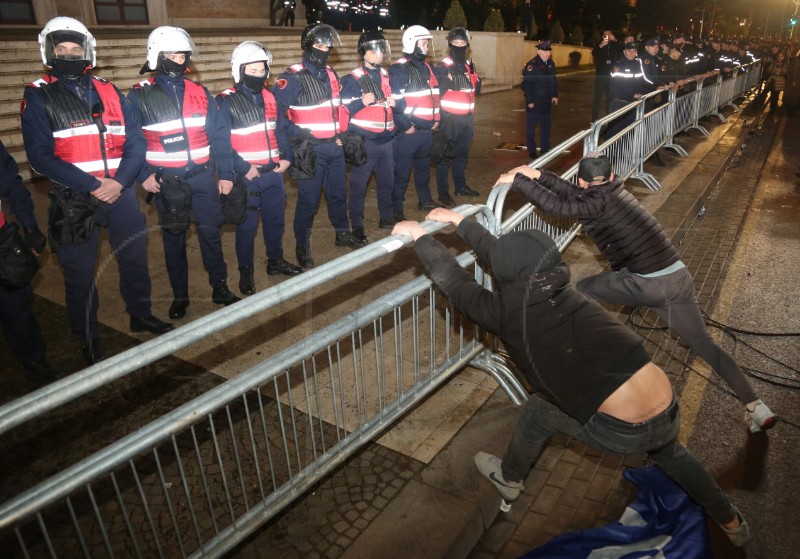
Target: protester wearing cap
[
  {"x": 647, "y": 269},
  {"x": 605, "y": 53},
  {"x": 80, "y": 133},
  {"x": 592, "y": 378},
  {"x": 540, "y": 88}
]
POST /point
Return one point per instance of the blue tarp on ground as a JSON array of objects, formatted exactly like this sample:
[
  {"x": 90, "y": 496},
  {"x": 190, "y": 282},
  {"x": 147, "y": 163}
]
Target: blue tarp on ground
[{"x": 662, "y": 523}]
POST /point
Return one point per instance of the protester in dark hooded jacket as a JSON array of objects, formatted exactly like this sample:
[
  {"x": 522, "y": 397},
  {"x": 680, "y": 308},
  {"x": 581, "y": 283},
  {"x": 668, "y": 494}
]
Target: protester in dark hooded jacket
[{"x": 593, "y": 380}]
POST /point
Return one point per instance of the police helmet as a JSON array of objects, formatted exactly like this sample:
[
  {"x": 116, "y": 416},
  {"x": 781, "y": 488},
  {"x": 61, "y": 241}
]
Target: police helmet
[
  {"x": 413, "y": 34},
  {"x": 66, "y": 29},
  {"x": 247, "y": 52},
  {"x": 319, "y": 34},
  {"x": 373, "y": 40},
  {"x": 167, "y": 39},
  {"x": 457, "y": 33}
]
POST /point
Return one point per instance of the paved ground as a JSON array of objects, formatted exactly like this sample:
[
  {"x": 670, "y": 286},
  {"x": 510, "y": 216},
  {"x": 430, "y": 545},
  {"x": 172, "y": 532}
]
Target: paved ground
[{"x": 383, "y": 503}]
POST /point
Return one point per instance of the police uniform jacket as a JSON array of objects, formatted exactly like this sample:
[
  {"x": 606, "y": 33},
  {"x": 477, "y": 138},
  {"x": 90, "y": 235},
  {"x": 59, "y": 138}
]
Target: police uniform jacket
[
  {"x": 410, "y": 75},
  {"x": 459, "y": 84},
  {"x": 539, "y": 83},
  {"x": 674, "y": 70},
  {"x": 290, "y": 92},
  {"x": 628, "y": 79},
  {"x": 218, "y": 136},
  {"x": 651, "y": 66},
  {"x": 240, "y": 166},
  {"x": 371, "y": 81},
  {"x": 38, "y": 135}
]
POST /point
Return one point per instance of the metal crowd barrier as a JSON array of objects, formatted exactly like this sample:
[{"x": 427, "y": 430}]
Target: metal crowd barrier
[{"x": 198, "y": 480}]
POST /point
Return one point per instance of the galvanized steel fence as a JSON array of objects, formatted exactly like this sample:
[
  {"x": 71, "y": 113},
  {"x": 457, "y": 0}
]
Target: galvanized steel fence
[{"x": 196, "y": 481}]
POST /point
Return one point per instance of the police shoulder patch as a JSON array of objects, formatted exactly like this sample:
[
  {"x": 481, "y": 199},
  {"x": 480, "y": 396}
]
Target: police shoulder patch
[
  {"x": 530, "y": 67},
  {"x": 22, "y": 105},
  {"x": 281, "y": 83},
  {"x": 647, "y": 61}
]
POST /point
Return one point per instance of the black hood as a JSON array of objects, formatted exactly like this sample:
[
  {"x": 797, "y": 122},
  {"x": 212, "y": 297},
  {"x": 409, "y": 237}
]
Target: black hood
[{"x": 522, "y": 254}]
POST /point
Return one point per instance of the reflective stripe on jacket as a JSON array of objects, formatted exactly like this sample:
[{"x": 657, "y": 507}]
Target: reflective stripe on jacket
[
  {"x": 422, "y": 99},
  {"x": 377, "y": 117},
  {"x": 253, "y": 131},
  {"x": 78, "y": 139},
  {"x": 321, "y": 117},
  {"x": 460, "y": 101},
  {"x": 180, "y": 139}
]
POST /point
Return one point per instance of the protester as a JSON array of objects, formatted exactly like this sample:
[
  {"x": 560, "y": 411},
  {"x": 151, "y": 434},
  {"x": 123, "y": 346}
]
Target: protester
[
  {"x": 592, "y": 378},
  {"x": 646, "y": 267}
]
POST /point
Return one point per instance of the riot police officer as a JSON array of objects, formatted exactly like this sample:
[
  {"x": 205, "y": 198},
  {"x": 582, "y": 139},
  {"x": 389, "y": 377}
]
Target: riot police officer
[
  {"x": 367, "y": 96},
  {"x": 250, "y": 113},
  {"x": 80, "y": 132},
  {"x": 416, "y": 114},
  {"x": 184, "y": 144},
  {"x": 309, "y": 92},
  {"x": 459, "y": 84}
]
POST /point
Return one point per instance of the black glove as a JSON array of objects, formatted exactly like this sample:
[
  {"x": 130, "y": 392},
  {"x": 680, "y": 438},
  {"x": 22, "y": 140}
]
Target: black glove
[{"x": 34, "y": 239}]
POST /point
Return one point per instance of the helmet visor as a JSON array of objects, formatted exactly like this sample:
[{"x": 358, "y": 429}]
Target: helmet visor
[
  {"x": 381, "y": 46},
  {"x": 67, "y": 45},
  {"x": 325, "y": 35}
]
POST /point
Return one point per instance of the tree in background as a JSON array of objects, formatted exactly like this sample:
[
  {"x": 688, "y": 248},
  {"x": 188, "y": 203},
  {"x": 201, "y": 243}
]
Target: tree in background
[
  {"x": 495, "y": 21},
  {"x": 455, "y": 16},
  {"x": 557, "y": 32},
  {"x": 576, "y": 36}
]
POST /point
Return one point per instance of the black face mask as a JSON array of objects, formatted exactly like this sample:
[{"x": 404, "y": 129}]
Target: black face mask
[
  {"x": 418, "y": 54},
  {"x": 254, "y": 83},
  {"x": 318, "y": 57},
  {"x": 459, "y": 53},
  {"x": 71, "y": 68},
  {"x": 173, "y": 69}
]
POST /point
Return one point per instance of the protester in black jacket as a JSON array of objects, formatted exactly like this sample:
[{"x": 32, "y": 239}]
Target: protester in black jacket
[
  {"x": 646, "y": 267},
  {"x": 593, "y": 379}
]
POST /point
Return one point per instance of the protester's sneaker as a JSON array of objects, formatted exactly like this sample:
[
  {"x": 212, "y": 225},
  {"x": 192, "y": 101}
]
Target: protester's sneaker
[
  {"x": 490, "y": 467},
  {"x": 739, "y": 536},
  {"x": 761, "y": 418}
]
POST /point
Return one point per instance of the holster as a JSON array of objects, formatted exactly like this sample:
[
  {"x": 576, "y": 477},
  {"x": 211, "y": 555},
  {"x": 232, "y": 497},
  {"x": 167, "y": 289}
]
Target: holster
[
  {"x": 304, "y": 165},
  {"x": 234, "y": 204},
  {"x": 175, "y": 209},
  {"x": 70, "y": 218}
]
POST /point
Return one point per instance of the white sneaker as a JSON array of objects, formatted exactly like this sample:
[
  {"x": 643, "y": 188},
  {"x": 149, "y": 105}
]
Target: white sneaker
[
  {"x": 739, "y": 536},
  {"x": 490, "y": 467},
  {"x": 761, "y": 418}
]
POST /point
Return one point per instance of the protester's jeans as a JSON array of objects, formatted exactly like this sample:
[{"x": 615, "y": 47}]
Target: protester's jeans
[
  {"x": 671, "y": 297},
  {"x": 656, "y": 436}
]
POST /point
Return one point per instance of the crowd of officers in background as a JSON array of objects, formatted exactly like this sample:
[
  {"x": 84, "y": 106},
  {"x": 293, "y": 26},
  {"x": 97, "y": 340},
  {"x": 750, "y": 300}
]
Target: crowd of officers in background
[
  {"x": 350, "y": 15},
  {"x": 208, "y": 160},
  {"x": 628, "y": 69}
]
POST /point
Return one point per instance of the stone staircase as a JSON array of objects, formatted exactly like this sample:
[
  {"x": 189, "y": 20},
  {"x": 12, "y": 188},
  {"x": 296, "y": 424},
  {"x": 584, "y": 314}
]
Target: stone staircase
[{"x": 120, "y": 57}]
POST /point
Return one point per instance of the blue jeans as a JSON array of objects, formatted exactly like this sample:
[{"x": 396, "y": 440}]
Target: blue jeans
[
  {"x": 672, "y": 298},
  {"x": 658, "y": 437}
]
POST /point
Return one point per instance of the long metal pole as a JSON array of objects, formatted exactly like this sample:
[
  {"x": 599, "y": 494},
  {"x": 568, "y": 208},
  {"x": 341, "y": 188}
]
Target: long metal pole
[
  {"x": 713, "y": 13},
  {"x": 791, "y": 31}
]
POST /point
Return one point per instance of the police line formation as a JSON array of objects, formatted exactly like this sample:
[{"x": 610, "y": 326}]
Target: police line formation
[{"x": 211, "y": 161}]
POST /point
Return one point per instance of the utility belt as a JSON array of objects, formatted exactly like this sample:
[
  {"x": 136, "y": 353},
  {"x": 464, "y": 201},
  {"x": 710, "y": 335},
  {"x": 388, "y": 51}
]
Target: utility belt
[
  {"x": 70, "y": 218},
  {"x": 182, "y": 172},
  {"x": 266, "y": 168}
]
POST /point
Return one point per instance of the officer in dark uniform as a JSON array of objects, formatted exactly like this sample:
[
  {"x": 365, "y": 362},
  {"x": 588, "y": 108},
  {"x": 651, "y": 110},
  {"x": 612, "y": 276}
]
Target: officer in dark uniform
[
  {"x": 309, "y": 92},
  {"x": 651, "y": 62},
  {"x": 459, "y": 84},
  {"x": 258, "y": 138},
  {"x": 416, "y": 114},
  {"x": 674, "y": 68},
  {"x": 541, "y": 95},
  {"x": 80, "y": 132},
  {"x": 605, "y": 53},
  {"x": 367, "y": 96},
  {"x": 288, "y": 12},
  {"x": 185, "y": 141},
  {"x": 628, "y": 83},
  {"x": 16, "y": 315}
]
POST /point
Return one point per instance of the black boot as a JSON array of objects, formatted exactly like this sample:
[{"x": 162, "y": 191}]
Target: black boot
[
  {"x": 221, "y": 295},
  {"x": 246, "y": 283},
  {"x": 277, "y": 266},
  {"x": 304, "y": 257},
  {"x": 346, "y": 239},
  {"x": 360, "y": 236},
  {"x": 42, "y": 371},
  {"x": 386, "y": 223},
  {"x": 178, "y": 307},
  {"x": 447, "y": 200},
  {"x": 150, "y": 324}
]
